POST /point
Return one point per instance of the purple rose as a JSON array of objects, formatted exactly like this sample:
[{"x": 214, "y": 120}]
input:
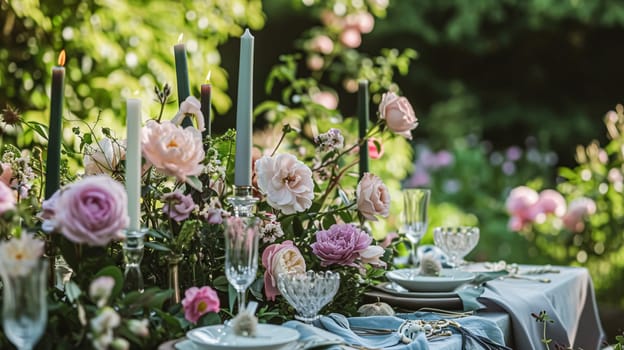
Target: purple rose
[
  {"x": 341, "y": 245},
  {"x": 177, "y": 205},
  {"x": 93, "y": 210}
]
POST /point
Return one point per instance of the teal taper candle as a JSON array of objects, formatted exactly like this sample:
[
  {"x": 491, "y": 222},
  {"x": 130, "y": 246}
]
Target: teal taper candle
[
  {"x": 55, "y": 129},
  {"x": 182, "y": 77},
  {"x": 363, "y": 116},
  {"x": 244, "y": 125}
]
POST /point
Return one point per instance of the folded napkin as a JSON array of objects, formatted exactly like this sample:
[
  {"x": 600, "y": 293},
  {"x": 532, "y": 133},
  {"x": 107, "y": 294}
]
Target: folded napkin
[{"x": 475, "y": 333}]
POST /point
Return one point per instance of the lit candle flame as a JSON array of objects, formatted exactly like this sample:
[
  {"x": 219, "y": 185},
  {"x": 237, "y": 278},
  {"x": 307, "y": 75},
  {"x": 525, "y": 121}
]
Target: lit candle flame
[
  {"x": 61, "y": 58},
  {"x": 208, "y": 76},
  {"x": 180, "y": 37}
]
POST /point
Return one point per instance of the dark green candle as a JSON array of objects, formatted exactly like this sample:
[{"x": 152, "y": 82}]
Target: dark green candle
[
  {"x": 55, "y": 129},
  {"x": 363, "y": 116},
  {"x": 182, "y": 78},
  {"x": 206, "y": 97}
]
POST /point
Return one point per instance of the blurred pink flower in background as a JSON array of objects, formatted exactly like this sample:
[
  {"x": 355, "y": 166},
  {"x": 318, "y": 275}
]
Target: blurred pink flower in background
[
  {"x": 578, "y": 210},
  {"x": 322, "y": 44},
  {"x": 351, "y": 38},
  {"x": 373, "y": 152},
  {"x": 551, "y": 202},
  {"x": 6, "y": 173},
  {"x": 315, "y": 62},
  {"x": 7, "y": 198},
  {"x": 325, "y": 99},
  {"x": 519, "y": 205},
  {"x": 198, "y": 302}
]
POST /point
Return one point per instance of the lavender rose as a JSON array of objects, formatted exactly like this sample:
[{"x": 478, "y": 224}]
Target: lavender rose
[
  {"x": 340, "y": 245},
  {"x": 177, "y": 205},
  {"x": 286, "y": 182},
  {"x": 92, "y": 211},
  {"x": 398, "y": 114},
  {"x": 373, "y": 197}
]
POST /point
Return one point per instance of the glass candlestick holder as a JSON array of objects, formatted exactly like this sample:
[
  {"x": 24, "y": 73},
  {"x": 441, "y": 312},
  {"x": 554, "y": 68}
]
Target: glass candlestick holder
[{"x": 133, "y": 248}]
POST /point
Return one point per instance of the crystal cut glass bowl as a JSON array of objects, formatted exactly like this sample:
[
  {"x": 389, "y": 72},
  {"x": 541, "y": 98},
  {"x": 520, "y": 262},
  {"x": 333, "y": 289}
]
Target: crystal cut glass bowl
[
  {"x": 308, "y": 292},
  {"x": 456, "y": 242}
]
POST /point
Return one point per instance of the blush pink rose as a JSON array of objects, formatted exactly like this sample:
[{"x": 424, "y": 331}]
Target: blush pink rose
[
  {"x": 372, "y": 256},
  {"x": 93, "y": 211},
  {"x": 578, "y": 210},
  {"x": 173, "y": 150},
  {"x": 6, "y": 173},
  {"x": 373, "y": 197},
  {"x": 198, "y": 302},
  {"x": 280, "y": 258},
  {"x": 351, "y": 38},
  {"x": 398, "y": 114},
  {"x": 365, "y": 22},
  {"x": 388, "y": 239},
  {"x": 7, "y": 198},
  {"x": 177, "y": 205},
  {"x": 551, "y": 202},
  {"x": 286, "y": 182}
]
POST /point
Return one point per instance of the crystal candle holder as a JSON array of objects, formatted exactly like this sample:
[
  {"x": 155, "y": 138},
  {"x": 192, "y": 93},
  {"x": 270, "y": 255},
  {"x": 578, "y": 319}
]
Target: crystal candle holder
[
  {"x": 133, "y": 248},
  {"x": 308, "y": 292}
]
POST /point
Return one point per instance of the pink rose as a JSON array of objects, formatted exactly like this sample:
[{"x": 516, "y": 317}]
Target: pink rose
[
  {"x": 198, "y": 302},
  {"x": 341, "y": 244},
  {"x": 7, "y": 198},
  {"x": 373, "y": 152},
  {"x": 579, "y": 209},
  {"x": 398, "y": 114},
  {"x": 521, "y": 201},
  {"x": 177, "y": 205},
  {"x": 551, "y": 202},
  {"x": 92, "y": 211},
  {"x": 373, "y": 197},
  {"x": 365, "y": 22},
  {"x": 280, "y": 258},
  {"x": 191, "y": 106},
  {"x": 6, "y": 173},
  {"x": 516, "y": 223},
  {"x": 322, "y": 44},
  {"x": 173, "y": 150},
  {"x": 286, "y": 182},
  {"x": 351, "y": 37},
  {"x": 388, "y": 239},
  {"x": 372, "y": 256}
]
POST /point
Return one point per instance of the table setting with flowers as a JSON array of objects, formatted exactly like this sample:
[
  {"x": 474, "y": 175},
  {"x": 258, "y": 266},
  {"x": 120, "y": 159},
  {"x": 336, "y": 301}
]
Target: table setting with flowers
[{"x": 174, "y": 238}]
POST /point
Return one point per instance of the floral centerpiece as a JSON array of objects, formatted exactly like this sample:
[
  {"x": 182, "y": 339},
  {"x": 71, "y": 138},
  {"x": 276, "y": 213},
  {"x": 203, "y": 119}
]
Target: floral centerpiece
[{"x": 310, "y": 221}]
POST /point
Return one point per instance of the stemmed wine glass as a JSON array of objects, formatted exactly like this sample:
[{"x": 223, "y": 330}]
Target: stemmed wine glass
[
  {"x": 415, "y": 220},
  {"x": 308, "y": 292},
  {"x": 24, "y": 307},
  {"x": 241, "y": 254}
]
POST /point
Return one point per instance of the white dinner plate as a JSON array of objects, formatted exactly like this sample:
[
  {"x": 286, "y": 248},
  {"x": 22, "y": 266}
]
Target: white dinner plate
[
  {"x": 267, "y": 337},
  {"x": 395, "y": 289},
  {"x": 447, "y": 281}
]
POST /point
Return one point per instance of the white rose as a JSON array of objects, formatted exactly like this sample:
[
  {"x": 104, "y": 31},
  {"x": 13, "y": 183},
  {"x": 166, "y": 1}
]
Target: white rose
[
  {"x": 190, "y": 106},
  {"x": 373, "y": 197},
  {"x": 103, "y": 157},
  {"x": 286, "y": 182},
  {"x": 371, "y": 255},
  {"x": 18, "y": 256}
]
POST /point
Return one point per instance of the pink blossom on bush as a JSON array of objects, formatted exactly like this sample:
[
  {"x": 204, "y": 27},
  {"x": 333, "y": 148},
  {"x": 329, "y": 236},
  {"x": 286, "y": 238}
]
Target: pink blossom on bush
[
  {"x": 398, "y": 114},
  {"x": 373, "y": 152},
  {"x": 551, "y": 202},
  {"x": 177, "y": 205},
  {"x": 365, "y": 22},
  {"x": 578, "y": 210},
  {"x": 322, "y": 44},
  {"x": 92, "y": 211},
  {"x": 6, "y": 173},
  {"x": 340, "y": 245},
  {"x": 7, "y": 198},
  {"x": 373, "y": 197},
  {"x": 198, "y": 302},
  {"x": 286, "y": 182},
  {"x": 325, "y": 99},
  {"x": 280, "y": 258},
  {"x": 315, "y": 62},
  {"x": 521, "y": 201},
  {"x": 351, "y": 37}
]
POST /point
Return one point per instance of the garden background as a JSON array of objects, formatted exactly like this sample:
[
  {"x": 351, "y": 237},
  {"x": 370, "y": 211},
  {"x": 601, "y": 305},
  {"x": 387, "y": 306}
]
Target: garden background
[{"x": 509, "y": 88}]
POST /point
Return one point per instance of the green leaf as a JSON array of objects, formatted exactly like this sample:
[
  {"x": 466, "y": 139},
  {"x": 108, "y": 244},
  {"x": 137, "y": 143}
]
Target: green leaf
[
  {"x": 256, "y": 288},
  {"x": 157, "y": 246},
  {"x": 221, "y": 283},
  {"x": 209, "y": 319},
  {"x": 117, "y": 275},
  {"x": 194, "y": 182}
]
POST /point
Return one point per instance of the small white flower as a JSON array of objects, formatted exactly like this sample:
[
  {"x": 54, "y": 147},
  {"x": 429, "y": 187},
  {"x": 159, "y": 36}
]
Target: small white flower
[
  {"x": 100, "y": 289},
  {"x": 19, "y": 255},
  {"x": 103, "y": 157},
  {"x": 105, "y": 321},
  {"x": 190, "y": 106},
  {"x": 139, "y": 327}
]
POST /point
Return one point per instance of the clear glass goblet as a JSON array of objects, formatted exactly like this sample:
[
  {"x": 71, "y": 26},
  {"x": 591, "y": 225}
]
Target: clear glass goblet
[
  {"x": 241, "y": 254},
  {"x": 456, "y": 242},
  {"x": 414, "y": 216},
  {"x": 24, "y": 306},
  {"x": 308, "y": 292}
]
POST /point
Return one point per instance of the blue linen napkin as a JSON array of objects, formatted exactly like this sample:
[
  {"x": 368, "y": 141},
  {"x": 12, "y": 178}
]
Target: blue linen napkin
[{"x": 331, "y": 328}]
